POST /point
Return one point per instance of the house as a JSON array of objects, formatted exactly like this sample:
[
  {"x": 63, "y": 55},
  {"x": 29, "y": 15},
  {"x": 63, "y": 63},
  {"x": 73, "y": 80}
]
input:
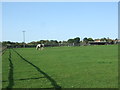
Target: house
[{"x": 97, "y": 42}]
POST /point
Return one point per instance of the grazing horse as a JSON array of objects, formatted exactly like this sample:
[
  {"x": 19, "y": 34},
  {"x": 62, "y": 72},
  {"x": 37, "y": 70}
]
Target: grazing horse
[{"x": 40, "y": 46}]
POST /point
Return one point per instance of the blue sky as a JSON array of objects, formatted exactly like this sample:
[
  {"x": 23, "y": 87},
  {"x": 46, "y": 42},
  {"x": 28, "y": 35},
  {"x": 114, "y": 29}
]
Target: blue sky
[{"x": 59, "y": 20}]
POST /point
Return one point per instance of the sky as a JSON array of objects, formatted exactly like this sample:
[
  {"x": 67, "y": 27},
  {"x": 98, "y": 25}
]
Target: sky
[{"x": 58, "y": 20}]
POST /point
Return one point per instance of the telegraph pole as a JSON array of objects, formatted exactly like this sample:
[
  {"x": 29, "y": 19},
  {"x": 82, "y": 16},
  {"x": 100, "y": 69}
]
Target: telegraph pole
[{"x": 23, "y": 39}]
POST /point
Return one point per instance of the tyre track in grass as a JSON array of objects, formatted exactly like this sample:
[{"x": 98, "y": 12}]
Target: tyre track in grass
[
  {"x": 11, "y": 68},
  {"x": 3, "y": 52},
  {"x": 53, "y": 82},
  {"x": 21, "y": 79}
]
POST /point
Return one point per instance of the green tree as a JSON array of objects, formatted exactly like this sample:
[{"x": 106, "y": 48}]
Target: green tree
[
  {"x": 90, "y": 39},
  {"x": 103, "y": 39},
  {"x": 77, "y": 40},
  {"x": 85, "y": 40},
  {"x": 70, "y": 41}
]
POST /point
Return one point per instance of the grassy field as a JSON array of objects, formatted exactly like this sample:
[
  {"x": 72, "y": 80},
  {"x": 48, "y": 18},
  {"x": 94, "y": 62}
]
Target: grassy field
[{"x": 65, "y": 67}]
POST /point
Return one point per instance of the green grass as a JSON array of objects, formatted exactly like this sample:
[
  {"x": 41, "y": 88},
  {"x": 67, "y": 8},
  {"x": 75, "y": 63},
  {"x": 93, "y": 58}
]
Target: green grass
[{"x": 67, "y": 67}]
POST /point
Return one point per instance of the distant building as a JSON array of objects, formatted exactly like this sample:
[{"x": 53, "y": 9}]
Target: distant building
[{"x": 97, "y": 42}]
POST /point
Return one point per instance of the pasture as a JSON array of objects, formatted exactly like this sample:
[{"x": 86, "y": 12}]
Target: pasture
[{"x": 65, "y": 67}]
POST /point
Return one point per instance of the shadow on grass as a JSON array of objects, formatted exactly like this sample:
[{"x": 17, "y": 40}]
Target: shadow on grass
[
  {"x": 10, "y": 77},
  {"x": 53, "y": 82}
]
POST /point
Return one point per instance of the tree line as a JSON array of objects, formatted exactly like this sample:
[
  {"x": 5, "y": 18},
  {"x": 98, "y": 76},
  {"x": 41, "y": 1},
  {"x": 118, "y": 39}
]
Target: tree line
[{"x": 70, "y": 42}]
